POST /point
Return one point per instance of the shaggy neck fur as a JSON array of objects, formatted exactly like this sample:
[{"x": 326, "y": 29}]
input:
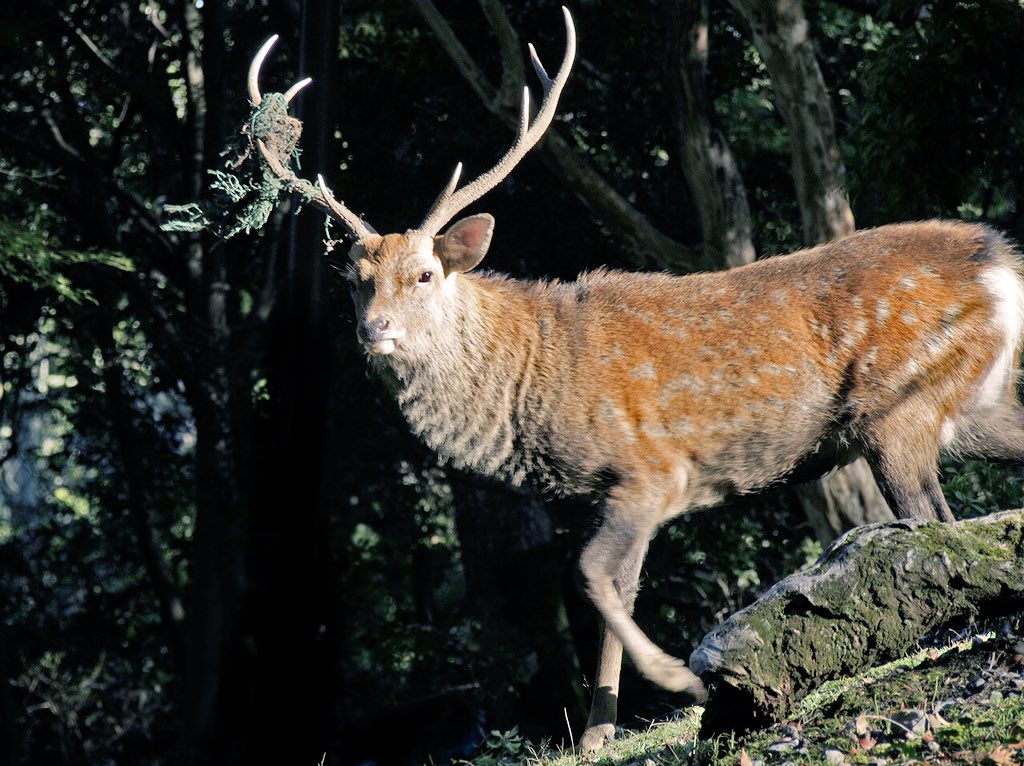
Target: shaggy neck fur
[{"x": 463, "y": 398}]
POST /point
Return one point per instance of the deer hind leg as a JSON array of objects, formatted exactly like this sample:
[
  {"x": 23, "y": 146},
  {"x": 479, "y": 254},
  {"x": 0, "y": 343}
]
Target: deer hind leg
[
  {"x": 621, "y": 538},
  {"x": 905, "y": 462},
  {"x": 604, "y": 708},
  {"x": 993, "y": 432}
]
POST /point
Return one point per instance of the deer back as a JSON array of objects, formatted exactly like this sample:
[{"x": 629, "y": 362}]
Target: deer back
[{"x": 739, "y": 376}]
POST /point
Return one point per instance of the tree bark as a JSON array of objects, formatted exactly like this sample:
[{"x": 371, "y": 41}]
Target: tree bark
[
  {"x": 708, "y": 165},
  {"x": 172, "y": 610},
  {"x": 843, "y": 500},
  {"x": 779, "y": 30},
  {"x": 291, "y": 623},
  {"x": 215, "y": 666},
  {"x": 869, "y": 599}
]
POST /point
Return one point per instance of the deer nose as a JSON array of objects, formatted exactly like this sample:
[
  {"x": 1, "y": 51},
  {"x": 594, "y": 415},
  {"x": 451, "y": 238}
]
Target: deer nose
[{"x": 372, "y": 330}]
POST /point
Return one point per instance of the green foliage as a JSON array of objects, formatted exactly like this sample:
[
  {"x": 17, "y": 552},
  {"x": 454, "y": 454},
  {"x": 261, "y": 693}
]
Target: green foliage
[
  {"x": 974, "y": 488},
  {"x": 503, "y": 748},
  {"x": 243, "y": 195},
  {"x": 937, "y": 130},
  {"x": 91, "y": 672},
  {"x": 29, "y": 261},
  {"x": 405, "y": 572}
]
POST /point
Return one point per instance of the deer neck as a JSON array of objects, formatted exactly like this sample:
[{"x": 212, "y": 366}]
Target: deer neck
[{"x": 461, "y": 398}]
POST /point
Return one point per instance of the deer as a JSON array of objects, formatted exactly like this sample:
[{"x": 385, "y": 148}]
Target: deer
[{"x": 655, "y": 394}]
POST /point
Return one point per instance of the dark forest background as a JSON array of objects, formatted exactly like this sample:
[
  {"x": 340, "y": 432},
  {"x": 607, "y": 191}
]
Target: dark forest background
[{"x": 218, "y": 542}]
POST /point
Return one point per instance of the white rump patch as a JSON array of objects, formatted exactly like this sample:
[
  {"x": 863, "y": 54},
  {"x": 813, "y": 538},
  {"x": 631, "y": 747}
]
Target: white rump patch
[{"x": 1008, "y": 316}]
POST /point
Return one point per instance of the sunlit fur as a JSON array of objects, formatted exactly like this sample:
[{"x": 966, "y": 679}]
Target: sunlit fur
[{"x": 659, "y": 394}]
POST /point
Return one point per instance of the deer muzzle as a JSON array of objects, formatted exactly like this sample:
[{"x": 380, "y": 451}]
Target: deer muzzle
[{"x": 378, "y": 336}]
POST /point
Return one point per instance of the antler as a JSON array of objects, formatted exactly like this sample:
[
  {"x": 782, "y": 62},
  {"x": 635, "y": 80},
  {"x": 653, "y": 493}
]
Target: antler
[
  {"x": 253, "y": 80},
  {"x": 318, "y": 195},
  {"x": 450, "y": 201}
]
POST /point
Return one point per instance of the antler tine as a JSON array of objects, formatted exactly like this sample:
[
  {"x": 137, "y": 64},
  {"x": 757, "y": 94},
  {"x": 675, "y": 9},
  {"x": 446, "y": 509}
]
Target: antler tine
[
  {"x": 253, "y": 80},
  {"x": 538, "y": 67},
  {"x": 524, "y": 114},
  {"x": 356, "y": 225},
  {"x": 450, "y": 202},
  {"x": 446, "y": 192},
  {"x": 292, "y": 91}
]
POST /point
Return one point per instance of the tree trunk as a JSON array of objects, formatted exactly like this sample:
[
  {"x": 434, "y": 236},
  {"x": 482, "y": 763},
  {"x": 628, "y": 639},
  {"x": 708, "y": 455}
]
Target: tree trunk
[
  {"x": 779, "y": 29},
  {"x": 287, "y": 609},
  {"x": 843, "y": 500},
  {"x": 136, "y": 482},
  {"x": 215, "y": 664},
  {"x": 869, "y": 599},
  {"x": 707, "y": 161}
]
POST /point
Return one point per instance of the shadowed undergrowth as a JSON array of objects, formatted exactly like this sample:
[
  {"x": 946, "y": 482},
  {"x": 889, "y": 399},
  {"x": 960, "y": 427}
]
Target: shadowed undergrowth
[{"x": 958, "y": 701}]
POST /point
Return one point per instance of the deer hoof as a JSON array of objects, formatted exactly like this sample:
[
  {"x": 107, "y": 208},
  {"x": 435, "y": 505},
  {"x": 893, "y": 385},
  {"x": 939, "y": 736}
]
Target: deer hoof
[
  {"x": 595, "y": 737},
  {"x": 672, "y": 674}
]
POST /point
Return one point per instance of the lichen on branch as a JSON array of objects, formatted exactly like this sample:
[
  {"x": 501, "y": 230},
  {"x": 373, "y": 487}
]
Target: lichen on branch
[{"x": 243, "y": 195}]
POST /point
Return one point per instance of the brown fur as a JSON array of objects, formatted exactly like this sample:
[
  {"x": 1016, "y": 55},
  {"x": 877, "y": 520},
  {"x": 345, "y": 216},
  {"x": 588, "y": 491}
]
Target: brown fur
[{"x": 659, "y": 394}]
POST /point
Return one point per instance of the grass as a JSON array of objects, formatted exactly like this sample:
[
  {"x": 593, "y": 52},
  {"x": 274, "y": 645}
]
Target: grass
[{"x": 961, "y": 703}]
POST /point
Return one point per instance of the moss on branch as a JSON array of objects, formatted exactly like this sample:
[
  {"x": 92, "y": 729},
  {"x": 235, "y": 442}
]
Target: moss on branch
[{"x": 869, "y": 599}]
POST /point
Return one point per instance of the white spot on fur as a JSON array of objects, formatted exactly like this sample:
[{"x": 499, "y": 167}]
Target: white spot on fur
[
  {"x": 682, "y": 427},
  {"x": 654, "y": 429},
  {"x": 644, "y": 371},
  {"x": 868, "y": 361},
  {"x": 935, "y": 344},
  {"x": 882, "y": 310},
  {"x": 615, "y": 418}
]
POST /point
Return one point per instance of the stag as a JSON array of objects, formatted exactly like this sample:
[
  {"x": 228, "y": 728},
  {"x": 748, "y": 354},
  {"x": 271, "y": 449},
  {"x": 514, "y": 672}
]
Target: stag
[{"x": 657, "y": 394}]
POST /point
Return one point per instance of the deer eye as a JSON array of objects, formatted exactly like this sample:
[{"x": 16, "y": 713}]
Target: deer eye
[{"x": 425, "y": 277}]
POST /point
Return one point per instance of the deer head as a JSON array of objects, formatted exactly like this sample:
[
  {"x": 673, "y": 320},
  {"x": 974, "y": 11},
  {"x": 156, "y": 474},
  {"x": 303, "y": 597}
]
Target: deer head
[{"x": 403, "y": 282}]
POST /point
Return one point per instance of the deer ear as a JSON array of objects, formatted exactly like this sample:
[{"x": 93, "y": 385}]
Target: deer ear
[
  {"x": 357, "y": 252},
  {"x": 465, "y": 244}
]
